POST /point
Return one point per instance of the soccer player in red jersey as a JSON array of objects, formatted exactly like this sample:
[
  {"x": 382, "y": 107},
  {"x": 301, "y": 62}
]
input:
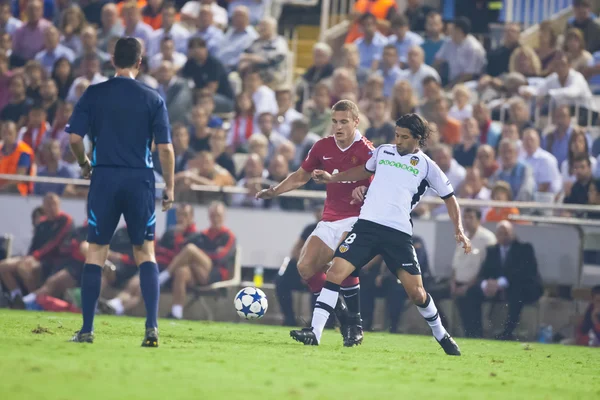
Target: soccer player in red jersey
[{"x": 343, "y": 150}]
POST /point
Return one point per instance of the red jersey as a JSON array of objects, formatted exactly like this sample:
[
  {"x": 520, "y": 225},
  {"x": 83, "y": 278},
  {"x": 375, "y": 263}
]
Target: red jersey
[{"x": 327, "y": 155}]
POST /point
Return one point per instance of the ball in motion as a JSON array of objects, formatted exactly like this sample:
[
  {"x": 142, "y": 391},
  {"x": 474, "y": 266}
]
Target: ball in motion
[{"x": 251, "y": 303}]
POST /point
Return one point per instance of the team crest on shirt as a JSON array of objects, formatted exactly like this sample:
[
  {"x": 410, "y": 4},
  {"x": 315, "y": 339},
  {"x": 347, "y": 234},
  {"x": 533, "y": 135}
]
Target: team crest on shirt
[
  {"x": 414, "y": 160},
  {"x": 354, "y": 160},
  {"x": 344, "y": 248}
]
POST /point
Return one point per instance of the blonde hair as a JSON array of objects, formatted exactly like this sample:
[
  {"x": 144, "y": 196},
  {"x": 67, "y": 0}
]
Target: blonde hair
[{"x": 530, "y": 54}]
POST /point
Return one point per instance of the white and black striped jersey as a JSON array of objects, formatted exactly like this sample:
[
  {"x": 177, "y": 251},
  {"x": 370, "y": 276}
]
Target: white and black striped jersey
[{"x": 398, "y": 185}]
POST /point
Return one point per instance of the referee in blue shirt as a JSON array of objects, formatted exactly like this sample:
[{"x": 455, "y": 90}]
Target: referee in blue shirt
[{"x": 122, "y": 117}]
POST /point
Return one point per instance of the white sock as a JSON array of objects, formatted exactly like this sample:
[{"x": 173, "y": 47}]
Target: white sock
[
  {"x": 326, "y": 302},
  {"x": 430, "y": 313},
  {"x": 163, "y": 277},
  {"x": 177, "y": 311},
  {"x": 30, "y": 298},
  {"x": 117, "y": 304},
  {"x": 14, "y": 293}
]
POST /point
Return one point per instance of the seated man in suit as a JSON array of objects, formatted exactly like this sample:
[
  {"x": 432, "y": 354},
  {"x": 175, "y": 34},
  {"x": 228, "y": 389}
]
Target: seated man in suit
[{"x": 509, "y": 274}]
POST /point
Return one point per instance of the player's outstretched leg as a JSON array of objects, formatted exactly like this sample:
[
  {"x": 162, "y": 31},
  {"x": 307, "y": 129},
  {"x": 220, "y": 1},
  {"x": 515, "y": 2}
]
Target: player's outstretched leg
[
  {"x": 413, "y": 284},
  {"x": 353, "y": 333}
]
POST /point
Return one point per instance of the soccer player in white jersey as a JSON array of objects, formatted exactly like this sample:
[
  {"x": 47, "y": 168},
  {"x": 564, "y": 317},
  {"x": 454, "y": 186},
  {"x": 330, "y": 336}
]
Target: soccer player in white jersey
[{"x": 402, "y": 174}]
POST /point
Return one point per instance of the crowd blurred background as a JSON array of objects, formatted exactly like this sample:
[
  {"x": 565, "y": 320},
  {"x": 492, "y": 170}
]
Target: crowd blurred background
[{"x": 514, "y": 121}]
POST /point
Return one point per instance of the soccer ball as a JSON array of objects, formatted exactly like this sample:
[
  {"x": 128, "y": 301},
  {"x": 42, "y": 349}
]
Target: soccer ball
[{"x": 251, "y": 303}]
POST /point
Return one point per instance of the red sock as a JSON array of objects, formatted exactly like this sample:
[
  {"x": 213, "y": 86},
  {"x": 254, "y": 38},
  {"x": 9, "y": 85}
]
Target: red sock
[
  {"x": 350, "y": 281},
  {"x": 315, "y": 283}
]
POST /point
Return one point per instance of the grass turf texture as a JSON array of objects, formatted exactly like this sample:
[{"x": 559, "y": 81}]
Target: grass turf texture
[{"x": 201, "y": 360}]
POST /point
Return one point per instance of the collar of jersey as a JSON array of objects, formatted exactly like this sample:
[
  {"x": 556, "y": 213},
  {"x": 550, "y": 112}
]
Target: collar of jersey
[{"x": 357, "y": 137}]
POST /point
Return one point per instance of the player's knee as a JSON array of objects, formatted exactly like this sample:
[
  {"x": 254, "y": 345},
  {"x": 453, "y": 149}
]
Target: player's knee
[
  {"x": 417, "y": 294},
  {"x": 182, "y": 275},
  {"x": 305, "y": 269}
]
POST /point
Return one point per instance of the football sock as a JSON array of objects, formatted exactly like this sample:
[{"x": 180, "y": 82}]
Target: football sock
[
  {"x": 163, "y": 277},
  {"x": 315, "y": 283},
  {"x": 351, "y": 292},
  {"x": 432, "y": 316},
  {"x": 14, "y": 293},
  {"x": 117, "y": 305},
  {"x": 324, "y": 308},
  {"x": 177, "y": 311},
  {"x": 150, "y": 291},
  {"x": 30, "y": 298},
  {"x": 91, "y": 279}
]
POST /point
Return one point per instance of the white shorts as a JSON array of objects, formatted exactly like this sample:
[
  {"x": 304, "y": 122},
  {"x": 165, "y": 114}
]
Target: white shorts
[{"x": 330, "y": 232}]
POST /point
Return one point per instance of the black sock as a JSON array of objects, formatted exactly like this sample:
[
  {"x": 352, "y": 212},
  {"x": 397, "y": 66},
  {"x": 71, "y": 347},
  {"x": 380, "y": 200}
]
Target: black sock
[
  {"x": 352, "y": 299},
  {"x": 91, "y": 280},
  {"x": 150, "y": 292}
]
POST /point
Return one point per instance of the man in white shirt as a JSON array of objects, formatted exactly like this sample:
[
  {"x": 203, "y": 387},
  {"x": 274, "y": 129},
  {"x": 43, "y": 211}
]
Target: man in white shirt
[
  {"x": 287, "y": 113},
  {"x": 544, "y": 165},
  {"x": 90, "y": 68},
  {"x": 167, "y": 53},
  {"x": 238, "y": 38},
  {"x": 171, "y": 29},
  {"x": 262, "y": 96},
  {"x": 417, "y": 70},
  {"x": 191, "y": 11}
]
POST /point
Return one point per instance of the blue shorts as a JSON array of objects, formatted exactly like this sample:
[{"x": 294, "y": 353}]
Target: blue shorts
[{"x": 121, "y": 191}]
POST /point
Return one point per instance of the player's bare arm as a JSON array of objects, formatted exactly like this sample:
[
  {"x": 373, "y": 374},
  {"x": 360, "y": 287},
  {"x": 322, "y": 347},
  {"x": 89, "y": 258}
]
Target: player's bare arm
[
  {"x": 167, "y": 161},
  {"x": 358, "y": 173},
  {"x": 358, "y": 194},
  {"x": 454, "y": 214},
  {"x": 78, "y": 149},
  {"x": 295, "y": 180}
]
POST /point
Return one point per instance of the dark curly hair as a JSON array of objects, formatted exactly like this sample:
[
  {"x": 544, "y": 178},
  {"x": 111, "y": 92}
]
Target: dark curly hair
[{"x": 417, "y": 126}]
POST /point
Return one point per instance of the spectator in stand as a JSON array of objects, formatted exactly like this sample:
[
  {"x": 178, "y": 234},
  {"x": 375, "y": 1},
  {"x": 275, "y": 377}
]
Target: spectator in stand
[
  {"x": 519, "y": 114},
  {"x": 71, "y": 24},
  {"x": 574, "y": 47},
  {"x": 181, "y": 147},
  {"x": 370, "y": 45},
  {"x": 254, "y": 174},
  {"x": 169, "y": 28},
  {"x": 242, "y": 125},
  {"x": 486, "y": 161},
  {"x": 8, "y": 23},
  {"x": 303, "y": 139},
  {"x": 498, "y": 59},
  {"x": 462, "y": 107},
  {"x": 40, "y": 261},
  {"x": 90, "y": 68},
  {"x": 62, "y": 74},
  {"x": 557, "y": 141},
  {"x": 263, "y": 97},
  {"x": 16, "y": 158},
  {"x": 49, "y": 99},
  {"x": 351, "y": 62},
  {"x": 442, "y": 155},
  {"x": 518, "y": 175},
  {"x": 318, "y": 110},
  {"x": 489, "y": 131},
  {"x": 383, "y": 10},
  {"x": 110, "y": 25},
  {"x": 525, "y": 61},
  {"x": 381, "y": 130},
  {"x": 53, "y": 50},
  {"x": 582, "y": 168},
  {"x": 582, "y": 10},
  {"x": 167, "y": 53},
  {"x": 543, "y": 164},
  {"x": 432, "y": 91},
  {"x": 547, "y": 47},
  {"x": 434, "y": 37},
  {"x": 287, "y": 114},
  {"x": 374, "y": 89},
  {"x": 322, "y": 67},
  {"x": 466, "y": 151},
  {"x": 449, "y": 127},
  {"x": 176, "y": 92},
  {"x": 473, "y": 186},
  {"x": 5, "y": 75},
  {"x": 509, "y": 273},
  {"x": 587, "y": 332},
  {"x": 403, "y": 100},
  {"x": 190, "y": 12},
  {"x": 510, "y": 131},
  {"x": 218, "y": 145},
  {"x": 28, "y": 40},
  {"x": 388, "y": 70},
  {"x": 266, "y": 127},
  {"x": 566, "y": 86},
  {"x": 170, "y": 244},
  {"x": 208, "y": 257},
  {"x": 207, "y": 31},
  {"x": 202, "y": 170},
  {"x": 463, "y": 54},
  {"x": 205, "y": 99},
  {"x": 269, "y": 53},
  {"x": 417, "y": 13},
  {"x": 279, "y": 170},
  {"x": 35, "y": 131},
  {"x": 466, "y": 267},
  {"x": 54, "y": 168},
  {"x": 417, "y": 71},
  {"x": 34, "y": 75},
  {"x": 578, "y": 144},
  {"x": 89, "y": 45},
  {"x": 199, "y": 130},
  {"x": 238, "y": 38},
  {"x": 259, "y": 144},
  {"x": 133, "y": 24},
  {"x": 57, "y": 131},
  {"x": 256, "y": 9},
  {"x": 402, "y": 38},
  {"x": 151, "y": 13},
  {"x": 19, "y": 104}
]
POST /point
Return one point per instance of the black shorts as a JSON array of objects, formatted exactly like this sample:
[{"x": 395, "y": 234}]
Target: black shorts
[{"x": 369, "y": 239}]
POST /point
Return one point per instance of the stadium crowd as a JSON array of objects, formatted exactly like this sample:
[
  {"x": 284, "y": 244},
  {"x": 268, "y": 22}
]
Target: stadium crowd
[{"x": 513, "y": 121}]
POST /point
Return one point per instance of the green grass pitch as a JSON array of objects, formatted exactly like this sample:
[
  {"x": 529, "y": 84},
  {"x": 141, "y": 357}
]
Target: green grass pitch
[{"x": 202, "y": 360}]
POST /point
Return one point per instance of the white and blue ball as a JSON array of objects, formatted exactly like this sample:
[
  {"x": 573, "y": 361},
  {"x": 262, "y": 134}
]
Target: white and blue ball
[{"x": 251, "y": 303}]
